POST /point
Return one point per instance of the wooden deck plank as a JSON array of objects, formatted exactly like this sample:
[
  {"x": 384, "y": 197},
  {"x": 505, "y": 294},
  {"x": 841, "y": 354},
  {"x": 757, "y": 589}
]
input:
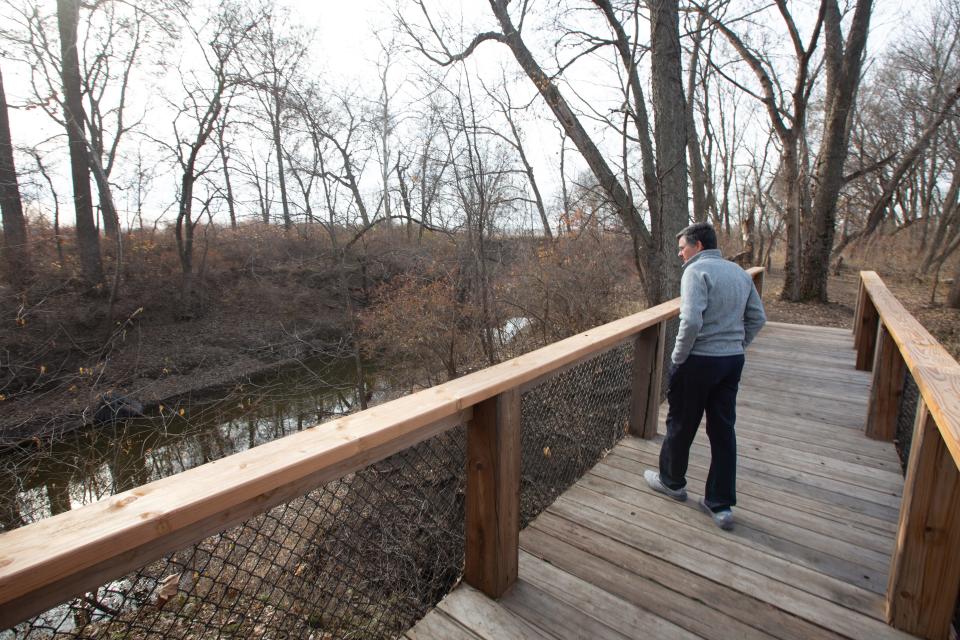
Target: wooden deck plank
[
  {"x": 437, "y": 626},
  {"x": 562, "y": 620},
  {"x": 641, "y": 580},
  {"x": 825, "y": 518},
  {"x": 684, "y": 535},
  {"x": 782, "y": 540},
  {"x": 767, "y": 599},
  {"x": 842, "y": 507},
  {"x": 817, "y": 517},
  {"x": 485, "y": 617},
  {"x": 583, "y": 596},
  {"x": 815, "y": 523}
]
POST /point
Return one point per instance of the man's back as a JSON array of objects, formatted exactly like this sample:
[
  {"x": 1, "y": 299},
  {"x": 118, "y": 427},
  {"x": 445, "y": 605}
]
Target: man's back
[{"x": 720, "y": 310}]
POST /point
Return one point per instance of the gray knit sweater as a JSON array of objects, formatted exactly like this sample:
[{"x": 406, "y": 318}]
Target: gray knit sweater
[{"x": 720, "y": 311}]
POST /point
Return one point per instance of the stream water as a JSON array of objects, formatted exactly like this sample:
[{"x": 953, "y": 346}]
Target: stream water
[{"x": 45, "y": 478}]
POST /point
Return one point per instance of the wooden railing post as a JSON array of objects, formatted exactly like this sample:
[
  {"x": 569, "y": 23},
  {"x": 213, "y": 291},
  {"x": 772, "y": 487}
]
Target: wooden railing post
[
  {"x": 925, "y": 569},
  {"x": 493, "y": 494},
  {"x": 861, "y": 294},
  {"x": 648, "y": 348},
  {"x": 889, "y": 371},
  {"x": 865, "y": 330}
]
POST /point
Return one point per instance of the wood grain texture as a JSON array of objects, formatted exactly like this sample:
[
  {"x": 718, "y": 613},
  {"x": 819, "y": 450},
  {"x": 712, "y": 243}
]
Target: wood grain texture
[
  {"x": 925, "y": 570},
  {"x": 647, "y": 375},
  {"x": 47, "y": 562},
  {"x": 493, "y": 494},
  {"x": 889, "y": 371},
  {"x": 487, "y": 619},
  {"x": 935, "y": 371},
  {"x": 866, "y": 329}
]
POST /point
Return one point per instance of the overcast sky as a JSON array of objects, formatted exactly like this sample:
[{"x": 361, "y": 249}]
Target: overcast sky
[{"x": 346, "y": 51}]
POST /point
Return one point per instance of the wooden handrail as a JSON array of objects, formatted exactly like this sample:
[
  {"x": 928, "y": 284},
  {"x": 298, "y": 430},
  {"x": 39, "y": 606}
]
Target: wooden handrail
[
  {"x": 925, "y": 566},
  {"x": 44, "y": 563}
]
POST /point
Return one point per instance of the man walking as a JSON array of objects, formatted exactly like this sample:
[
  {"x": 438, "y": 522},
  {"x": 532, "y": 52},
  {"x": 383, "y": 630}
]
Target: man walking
[{"x": 720, "y": 314}]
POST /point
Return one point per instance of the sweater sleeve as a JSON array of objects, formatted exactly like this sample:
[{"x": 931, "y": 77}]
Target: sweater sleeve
[
  {"x": 693, "y": 301},
  {"x": 754, "y": 317}
]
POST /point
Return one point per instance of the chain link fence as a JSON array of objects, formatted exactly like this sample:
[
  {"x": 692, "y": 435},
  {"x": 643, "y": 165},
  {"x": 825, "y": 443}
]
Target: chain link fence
[
  {"x": 364, "y": 556},
  {"x": 906, "y": 418}
]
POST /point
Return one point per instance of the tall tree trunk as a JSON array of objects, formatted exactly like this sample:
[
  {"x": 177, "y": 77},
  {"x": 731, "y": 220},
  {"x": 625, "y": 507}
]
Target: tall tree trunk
[
  {"x": 88, "y": 240},
  {"x": 224, "y": 165},
  {"x": 843, "y": 79},
  {"x": 670, "y": 133},
  {"x": 698, "y": 180},
  {"x": 15, "y": 251},
  {"x": 789, "y": 174},
  {"x": 287, "y": 222},
  {"x": 184, "y": 235},
  {"x": 953, "y": 297}
]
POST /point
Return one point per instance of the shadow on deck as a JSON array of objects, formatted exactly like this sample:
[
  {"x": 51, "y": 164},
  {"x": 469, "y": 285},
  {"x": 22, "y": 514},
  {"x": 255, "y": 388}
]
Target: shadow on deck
[{"x": 808, "y": 557}]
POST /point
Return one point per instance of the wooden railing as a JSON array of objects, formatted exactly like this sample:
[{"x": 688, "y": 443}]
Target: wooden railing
[
  {"x": 925, "y": 568},
  {"x": 48, "y": 562}
]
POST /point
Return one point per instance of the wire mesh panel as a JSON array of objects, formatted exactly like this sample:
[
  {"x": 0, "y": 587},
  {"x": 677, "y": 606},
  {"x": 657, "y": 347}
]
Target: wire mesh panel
[
  {"x": 569, "y": 422},
  {"x": 906, "y": 418},
  {"x": 361, "y": 557},
  {"x": 364, "y": 556}
]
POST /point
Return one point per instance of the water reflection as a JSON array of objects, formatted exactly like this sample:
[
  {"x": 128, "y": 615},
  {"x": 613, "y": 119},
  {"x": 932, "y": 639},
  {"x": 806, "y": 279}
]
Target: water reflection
[{"x": 46, "y": 478}]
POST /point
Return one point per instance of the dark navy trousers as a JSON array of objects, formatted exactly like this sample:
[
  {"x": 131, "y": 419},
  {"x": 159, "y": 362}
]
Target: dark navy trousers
[{"x": 703, "y": 384}]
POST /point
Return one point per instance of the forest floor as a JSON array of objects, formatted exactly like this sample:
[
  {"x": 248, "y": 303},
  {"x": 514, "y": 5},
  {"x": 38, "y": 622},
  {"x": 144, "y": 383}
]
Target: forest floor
[
  {"x": 157, "y": 359},
  {"x": 842, "y": 290}
]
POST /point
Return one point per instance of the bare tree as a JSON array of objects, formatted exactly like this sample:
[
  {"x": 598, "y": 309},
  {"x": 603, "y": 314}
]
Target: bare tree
[
  {"x": 217, "y": 42},
  {"x": 273, "y": 61},
  {"x": 224, "y": 148},
  {"x": 843, "y": 59},
  {"x": 663, "y": 177},
  {"x": 787, "y": 111},
  {"x": 15, "y": 250},
  {"x": 506, "y": 108},
  {"x": 88, "y": 240}
]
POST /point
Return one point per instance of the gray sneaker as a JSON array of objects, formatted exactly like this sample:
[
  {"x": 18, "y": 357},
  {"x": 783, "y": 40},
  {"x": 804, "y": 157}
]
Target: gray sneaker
[
  {"x": 653, "y": 479},
  {"x": 722, "y": 518}
]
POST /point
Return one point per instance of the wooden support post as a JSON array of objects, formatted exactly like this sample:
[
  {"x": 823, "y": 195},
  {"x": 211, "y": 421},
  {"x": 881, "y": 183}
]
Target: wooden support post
[
  {"x": 867, "y": 321},
  {"x": 493, "y": 494},
  {"x": 648, "y": 348},
  {"x": 889, "y": 371},
  {"x": 861, "y": 294},
  {"x": 925, "y": 569}
]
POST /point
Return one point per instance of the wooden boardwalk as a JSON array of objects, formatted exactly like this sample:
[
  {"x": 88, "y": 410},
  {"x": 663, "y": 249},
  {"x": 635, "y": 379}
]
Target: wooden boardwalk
[{"x": 807, "y": 559}]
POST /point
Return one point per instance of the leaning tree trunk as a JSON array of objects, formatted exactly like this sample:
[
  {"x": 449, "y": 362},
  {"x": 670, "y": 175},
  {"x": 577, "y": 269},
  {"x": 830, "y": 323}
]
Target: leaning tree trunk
[
  {"x": 111, "y": 221},
  {"x": 574, "y": 129},
  {"x": 15, "y": 251},
  {"x": 88, "y": 240}
]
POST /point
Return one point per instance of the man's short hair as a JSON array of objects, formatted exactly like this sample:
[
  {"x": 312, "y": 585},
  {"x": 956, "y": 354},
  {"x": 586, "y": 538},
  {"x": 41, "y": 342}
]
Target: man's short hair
[{"x": 701, "y": 232}]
